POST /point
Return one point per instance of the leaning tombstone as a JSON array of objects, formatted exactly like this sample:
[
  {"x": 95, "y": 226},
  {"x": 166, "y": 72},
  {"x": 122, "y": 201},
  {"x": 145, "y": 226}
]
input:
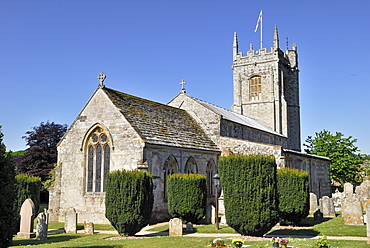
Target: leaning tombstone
[
  {"x": 41, "y": 227},
  {"x": 27, "y": 216},
  {"x": 175, "y": 227},
  {"x": 70, "y": 224},
  {"x": 313, "y": 202},
  {"x": 89, "y": 227},
  {"x": 352, "y": 210}
]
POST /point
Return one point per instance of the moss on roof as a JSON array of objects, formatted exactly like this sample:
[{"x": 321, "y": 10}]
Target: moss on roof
[{"x": 161, "y": 124}]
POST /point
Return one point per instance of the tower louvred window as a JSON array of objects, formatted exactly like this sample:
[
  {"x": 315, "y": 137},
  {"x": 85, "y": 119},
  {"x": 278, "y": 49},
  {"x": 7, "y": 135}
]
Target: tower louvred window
[{"x": 255, "y": 88}]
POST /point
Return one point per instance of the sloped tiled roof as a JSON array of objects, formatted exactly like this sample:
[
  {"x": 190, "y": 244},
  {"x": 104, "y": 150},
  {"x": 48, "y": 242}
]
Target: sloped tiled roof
[
  {"x": 161, "y": 124},
  {"x": 237, "y": 118}
]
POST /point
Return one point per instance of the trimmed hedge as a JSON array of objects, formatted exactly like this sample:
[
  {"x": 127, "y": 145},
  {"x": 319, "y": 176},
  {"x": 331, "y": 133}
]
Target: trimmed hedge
[
  {"x": 250, "y": 195},
  {"x": 28, "y": 187},
  {"x": 7, "y": 196},
  {"x": 187, "y": 196},
  {"x": 129, "y": 200},
  {"x": 293, "y": 193}
]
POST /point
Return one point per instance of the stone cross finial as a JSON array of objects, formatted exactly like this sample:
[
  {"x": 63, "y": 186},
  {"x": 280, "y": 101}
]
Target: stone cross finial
[
  {"x": 182, "y": 86},
  {"x": 101, "y": 78}
]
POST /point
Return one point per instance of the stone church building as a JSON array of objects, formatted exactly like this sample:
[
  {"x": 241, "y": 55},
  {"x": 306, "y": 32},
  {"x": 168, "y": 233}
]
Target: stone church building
[{"x": 117, "y": 131}]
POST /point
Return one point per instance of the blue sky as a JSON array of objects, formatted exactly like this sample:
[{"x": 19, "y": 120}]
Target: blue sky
[{"x": 52, "y": 51}]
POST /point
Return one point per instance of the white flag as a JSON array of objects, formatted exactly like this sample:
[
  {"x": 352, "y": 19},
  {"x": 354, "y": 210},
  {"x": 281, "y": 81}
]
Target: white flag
[{"x": 258, "y": 21}]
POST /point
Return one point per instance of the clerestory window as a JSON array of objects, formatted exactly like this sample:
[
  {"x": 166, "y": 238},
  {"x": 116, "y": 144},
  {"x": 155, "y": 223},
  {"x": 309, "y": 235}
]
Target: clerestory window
[{"x": 98, "y": 160}]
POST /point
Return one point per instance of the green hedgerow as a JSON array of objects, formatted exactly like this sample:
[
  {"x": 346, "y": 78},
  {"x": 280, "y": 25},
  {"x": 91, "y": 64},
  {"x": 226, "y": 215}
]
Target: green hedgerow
[
  {"x": 250, "y": 195},
  {"x": 129, "y": 200},
  {"x": 187, "y": 196}
]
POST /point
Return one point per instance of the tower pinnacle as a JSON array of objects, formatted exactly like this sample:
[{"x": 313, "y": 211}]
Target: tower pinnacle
[
  {"x": 235, "y": 46},
  {"x": 276, "y": 38}
]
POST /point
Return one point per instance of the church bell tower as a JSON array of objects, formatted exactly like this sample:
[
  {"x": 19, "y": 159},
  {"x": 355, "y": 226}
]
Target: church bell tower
[{"x": 266, "y": 88}]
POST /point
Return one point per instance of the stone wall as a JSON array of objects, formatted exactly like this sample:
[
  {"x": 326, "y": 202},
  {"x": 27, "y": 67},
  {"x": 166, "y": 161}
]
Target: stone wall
[
  {"x": 70, "y": 188},
  {"x": 318, "y": 168}
]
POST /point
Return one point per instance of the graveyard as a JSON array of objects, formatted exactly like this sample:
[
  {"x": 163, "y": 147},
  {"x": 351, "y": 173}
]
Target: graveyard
[
  {"x": 339, "y": 235},
  {"x": 340, "y": 219}
]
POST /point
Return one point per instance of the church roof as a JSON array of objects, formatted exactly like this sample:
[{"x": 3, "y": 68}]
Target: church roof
[
  {"x": 160, "y": 124},
  {"x": 237, "y": 118}
]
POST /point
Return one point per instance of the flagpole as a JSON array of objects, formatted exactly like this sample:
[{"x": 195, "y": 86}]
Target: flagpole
[{"x": 261, "y": 28}]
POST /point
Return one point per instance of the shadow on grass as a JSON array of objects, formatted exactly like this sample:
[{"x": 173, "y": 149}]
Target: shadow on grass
[
  {"x": 294, "y": 232},
  {"x": 51, "y": 239}
]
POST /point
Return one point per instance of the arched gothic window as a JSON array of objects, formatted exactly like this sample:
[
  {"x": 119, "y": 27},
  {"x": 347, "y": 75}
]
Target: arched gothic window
[
  {"x": 98, "y": 160},
  {"x": 210, "y": 171},
  {"x": 255, "y": 88},
  {"x": 170, "y": 167},
  {"x": 191, "y": 166}
]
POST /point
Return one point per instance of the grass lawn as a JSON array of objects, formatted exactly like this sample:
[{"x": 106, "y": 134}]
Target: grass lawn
[{"x": 329, "y": 227}]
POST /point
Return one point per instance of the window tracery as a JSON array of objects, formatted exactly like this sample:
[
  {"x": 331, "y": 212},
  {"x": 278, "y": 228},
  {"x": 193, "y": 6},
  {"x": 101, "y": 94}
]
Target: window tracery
[{"x": 98, "y": 160}]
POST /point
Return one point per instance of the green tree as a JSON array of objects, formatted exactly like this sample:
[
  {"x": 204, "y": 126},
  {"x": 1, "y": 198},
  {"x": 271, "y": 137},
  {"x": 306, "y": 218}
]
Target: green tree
[
  {"x": 7, "y": 196},
  {"x": 129, "y": 200},
  {"x": 187, "y": 196},
  {"x": 40, "y": 157},
  {"x": 344, "y": 155},
  {"x": 293, "y": 193},
  {"x": 250, "y": 193}
]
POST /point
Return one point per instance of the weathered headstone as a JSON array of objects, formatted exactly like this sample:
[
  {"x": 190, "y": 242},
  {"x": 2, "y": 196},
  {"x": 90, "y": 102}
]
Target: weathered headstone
[
  {"x": 189, "y": 227},
  {"x": 41, "y": 227},
  {"x": 348, "y": 189},
  {"x": 175, "y": 227},
  {"x": 337, "y": 200},
  {"x": 352, "y": 210},
  {"x": 313, "y": 202},
  {"x": 27, "y": 216},
  {"x": 89, "y": 227},
  {"x": 367, "y": 209},
  {"x": 327, "y": 207},
  {"x": 70, "y": 224}
]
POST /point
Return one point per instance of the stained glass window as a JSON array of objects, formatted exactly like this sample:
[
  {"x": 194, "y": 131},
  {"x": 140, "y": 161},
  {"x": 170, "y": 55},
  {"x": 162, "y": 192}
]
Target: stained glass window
[
  {"x": 98, "y": 168},
  {"x": 90, "y": 165},
  {"x": 98, "y": 160},
  {"x": 106, "y": 164}
]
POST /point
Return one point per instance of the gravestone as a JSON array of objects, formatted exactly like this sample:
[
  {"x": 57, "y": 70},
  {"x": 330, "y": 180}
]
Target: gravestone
[
  {"x": 313, "y": 202},
  {"x": 348, "y": 189},
  {"x": 317, "y": 215},
  {"x": 175, "y": 227},
  {"x": 89, "y": 227},
  {"x": 70, "y": 224},
  {"x": 367, "y": 216},
  {"x": 41, "y": 227},
  {"x": 331, "y": 208},
  {"x": 352, "y": 210},
  {"x": 27, "y": 216},
  {"x": 337, "y": 200},
  {"x": 327, "y": 207},
  {"x": 189, "y": 227}
]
